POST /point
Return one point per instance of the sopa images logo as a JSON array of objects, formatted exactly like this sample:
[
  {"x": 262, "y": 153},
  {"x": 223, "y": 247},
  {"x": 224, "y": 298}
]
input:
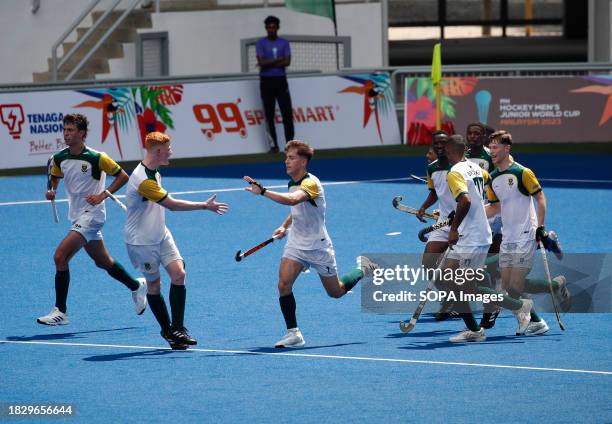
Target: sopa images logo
[{"x": 12, "y": 117}]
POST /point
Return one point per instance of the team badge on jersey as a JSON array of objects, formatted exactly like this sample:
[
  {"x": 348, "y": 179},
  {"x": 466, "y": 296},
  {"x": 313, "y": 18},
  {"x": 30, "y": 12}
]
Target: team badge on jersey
[
  {"x": 84, "y": 168},
  {"x": 510, "y": 182}
]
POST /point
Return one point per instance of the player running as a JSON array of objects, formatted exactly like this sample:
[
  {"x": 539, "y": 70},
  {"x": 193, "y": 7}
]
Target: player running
[
  {"x": 511, "y": 191},
  {"x": 84, "y": 172},
  {"x": 308, "y": 242},
  {"x": 150, "y": 243}
]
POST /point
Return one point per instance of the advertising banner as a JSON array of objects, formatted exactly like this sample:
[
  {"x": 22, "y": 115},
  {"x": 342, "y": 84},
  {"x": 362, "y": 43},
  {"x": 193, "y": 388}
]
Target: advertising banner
[
  {"x": 203, "y": 119},
  {"x": 538, "y": 109}
]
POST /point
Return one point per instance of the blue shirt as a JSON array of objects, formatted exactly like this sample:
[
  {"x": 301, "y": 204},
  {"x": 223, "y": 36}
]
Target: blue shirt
[{"x": 272, "y": 49}]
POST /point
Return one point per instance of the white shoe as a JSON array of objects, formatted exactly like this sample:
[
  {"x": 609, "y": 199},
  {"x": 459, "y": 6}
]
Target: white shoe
[
  {"x": 468, "y": 335},
  {"x": 535, "y": 328},
  {"x": 523, "y": 316},
  {"x": 563, "y": 294},
  {"x": 366, "y": 266},
  {"x": 293, "y": 338},
  {"x": 55, "y": 317},
  {"x": 139, "y": 296}
]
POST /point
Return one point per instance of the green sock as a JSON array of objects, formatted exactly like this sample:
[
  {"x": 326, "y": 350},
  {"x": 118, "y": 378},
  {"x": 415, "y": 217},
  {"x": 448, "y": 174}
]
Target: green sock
[
  {"x": 158, "y": 307},
  {"x": 539, "y": 286},
  {"x": 491, "y": 259},
  {"x": 177, "y": 304},
  {"x": 118, "y": 272},
  {"x": 351, "y": 279},
  {"x": 508, "y": 302},
  {"x": 470, "y": 322}
]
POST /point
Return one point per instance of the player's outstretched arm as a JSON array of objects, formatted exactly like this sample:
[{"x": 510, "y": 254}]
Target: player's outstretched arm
[
  {"x": 290, "y": 199},
  {"x": 180, "y": 205}
]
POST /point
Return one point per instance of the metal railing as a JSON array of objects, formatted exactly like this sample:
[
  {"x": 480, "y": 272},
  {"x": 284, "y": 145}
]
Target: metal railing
[{"x": 55, "y": 65}]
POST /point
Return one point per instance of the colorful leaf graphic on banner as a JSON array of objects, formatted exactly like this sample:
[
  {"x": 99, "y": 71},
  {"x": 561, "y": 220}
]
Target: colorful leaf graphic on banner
[
  {"x": 458, "y": 86},
  {"x": 605, "y": 90},
  {"x": 146, "y": 107},
  {"x": 377, "y": 95},
  {"x": 169, "y": 94}
]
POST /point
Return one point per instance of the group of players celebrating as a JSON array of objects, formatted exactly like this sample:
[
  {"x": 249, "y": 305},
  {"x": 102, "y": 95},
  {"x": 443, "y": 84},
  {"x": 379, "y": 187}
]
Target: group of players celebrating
[
  {"x": 494, "y": 224},
  {"x": 457, "y": 180}
]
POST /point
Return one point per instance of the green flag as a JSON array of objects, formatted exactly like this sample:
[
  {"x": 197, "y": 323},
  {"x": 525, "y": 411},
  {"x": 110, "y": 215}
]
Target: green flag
[{"x": 314, "y": 7}]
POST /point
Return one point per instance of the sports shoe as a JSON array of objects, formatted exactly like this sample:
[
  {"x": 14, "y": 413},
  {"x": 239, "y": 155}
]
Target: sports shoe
[
  {"x": 180, "y": 335},
  {"x": 535, "y": 328},
  {"x": 55, "y": 317},
  {"x": 446, "y": 311},
  {"x": 488, "y": 317},
  {"x": 366, "y": 265},
  {"x": 293, "y": 338},
  {"x": 468, "y": 335},
  {"x": 174, "y": 345},
  {"x": 563, "y": 294},
  {"x": 523, "y": 316},
  {"x": 139, "y": 296}
]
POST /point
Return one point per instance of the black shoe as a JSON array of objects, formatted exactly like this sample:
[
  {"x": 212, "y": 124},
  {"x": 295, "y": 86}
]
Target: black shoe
[
  {"x": 174, "y": 345},
  {"x": 180, "y": 335},
  {"x": 446, "y": 311},
  {"x": 273, "y": 149},
  {"x": 488, "y": 318}
]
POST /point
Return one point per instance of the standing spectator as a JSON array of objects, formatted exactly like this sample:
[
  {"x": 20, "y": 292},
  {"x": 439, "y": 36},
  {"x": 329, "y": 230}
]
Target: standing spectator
[{"x": 273, "y": 56}]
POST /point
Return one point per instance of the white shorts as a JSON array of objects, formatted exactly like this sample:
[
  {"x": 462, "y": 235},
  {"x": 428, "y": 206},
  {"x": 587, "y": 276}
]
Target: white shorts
[
  {"x": 323, "y": 260},
  {"x": 440, "y": 234},
  {"x": 88, "y": 226},
  {"x": 495, "y": 223},
  {"x": 517, "y": 254},
  {"x": 472, "y": 257},
  {"x": 146, "y": 258}
]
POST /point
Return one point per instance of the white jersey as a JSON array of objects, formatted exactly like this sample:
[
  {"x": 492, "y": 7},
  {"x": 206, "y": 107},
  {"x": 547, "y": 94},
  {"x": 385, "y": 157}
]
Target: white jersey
[
  {"x": 146, "y": 218},
  {"x": 513, "y": 188},
  {"x": 466, "y": 177},
  {"x": 483, "y": 159},
  {"x": 436, "y": 182},
  {"x": 308, "y": 231},
  {"x": 84, "y": 174}
]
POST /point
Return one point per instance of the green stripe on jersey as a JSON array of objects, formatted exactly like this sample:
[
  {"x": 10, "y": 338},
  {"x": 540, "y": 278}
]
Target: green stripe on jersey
[
  {"x": 87, "y": 155},
  {"x": 515, "y": 169}
]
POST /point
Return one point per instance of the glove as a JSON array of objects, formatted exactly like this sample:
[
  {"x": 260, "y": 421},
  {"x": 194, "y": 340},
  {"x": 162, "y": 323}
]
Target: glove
[{"x": 541, "y": 234}]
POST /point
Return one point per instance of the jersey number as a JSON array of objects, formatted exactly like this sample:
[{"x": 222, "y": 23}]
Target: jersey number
[{"x": 479, "y": 183}]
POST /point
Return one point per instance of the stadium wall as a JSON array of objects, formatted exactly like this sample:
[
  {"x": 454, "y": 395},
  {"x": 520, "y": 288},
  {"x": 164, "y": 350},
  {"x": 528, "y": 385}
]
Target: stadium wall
[{"x": 200, "y": 42}]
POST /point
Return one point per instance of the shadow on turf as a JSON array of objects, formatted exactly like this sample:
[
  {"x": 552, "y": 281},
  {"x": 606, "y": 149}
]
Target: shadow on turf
[
  {"x": 490, "y": 340},
  {"x": 280, "y": 349},
  {"x": 63, "y": 336},
  {"x": 131, "y": 355}
]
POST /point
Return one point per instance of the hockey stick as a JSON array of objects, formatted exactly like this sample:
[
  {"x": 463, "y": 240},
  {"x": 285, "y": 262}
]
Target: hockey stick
[
  {"x": 414, "y": 177},
  {"x": 403, "y": 208},
  {"x": 409, "y": 326},
  {"x": 114, "y": 199},
  {"x": 50, "y": 187},
  {"x": 552, "y": 294},
  {"x": 436, "y": 226},
  {"x": 252, "y": 250}
]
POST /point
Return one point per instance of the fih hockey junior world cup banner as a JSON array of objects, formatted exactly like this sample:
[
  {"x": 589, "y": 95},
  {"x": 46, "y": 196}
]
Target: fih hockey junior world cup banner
[{"x": 538, "y": 109}]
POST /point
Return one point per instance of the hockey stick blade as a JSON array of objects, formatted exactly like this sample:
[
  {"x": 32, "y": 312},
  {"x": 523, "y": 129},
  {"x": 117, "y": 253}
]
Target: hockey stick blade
[{"x": 403, "y": 208}]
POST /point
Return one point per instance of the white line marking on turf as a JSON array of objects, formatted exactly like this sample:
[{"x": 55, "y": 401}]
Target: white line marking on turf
[
  {"x": 225, "y": 190},
  {"x": 315, "y": 356},
  {"x": 220, "y": 190},
  {"x": 394, "y": 233}
]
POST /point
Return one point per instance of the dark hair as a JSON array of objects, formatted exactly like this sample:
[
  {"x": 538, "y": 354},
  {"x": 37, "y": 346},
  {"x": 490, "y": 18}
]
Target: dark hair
[
  {"x": 78, "y": 120},
  {"x": 477, "y": 124},
  {"x": 272, "y": 20},
  {"x": 303, "y": 149},
  {"x": 456, "y": 141},
  {"x": 488, "y": 129}
]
